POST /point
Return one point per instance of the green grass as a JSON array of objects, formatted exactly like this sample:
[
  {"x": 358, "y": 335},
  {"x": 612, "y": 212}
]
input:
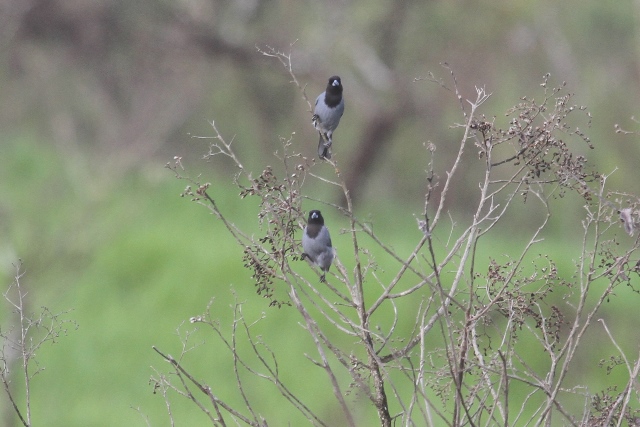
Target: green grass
[
  {"x": 132, "y": 266},
  {"x": 134, "y": 262}
]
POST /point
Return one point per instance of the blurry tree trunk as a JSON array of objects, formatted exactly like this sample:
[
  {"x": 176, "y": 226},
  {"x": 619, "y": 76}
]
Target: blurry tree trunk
[{"x": 380, "y": 127}]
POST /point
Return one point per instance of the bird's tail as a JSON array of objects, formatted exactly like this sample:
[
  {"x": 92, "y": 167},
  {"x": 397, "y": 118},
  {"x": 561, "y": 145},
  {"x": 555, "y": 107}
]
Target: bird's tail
[{"x": 323, "y": 148}]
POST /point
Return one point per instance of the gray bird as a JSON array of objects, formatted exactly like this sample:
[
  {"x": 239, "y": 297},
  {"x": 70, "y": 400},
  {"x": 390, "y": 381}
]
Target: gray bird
[
  {"x": 316, "y": 243},
  {"x": 327, "y": 113}
]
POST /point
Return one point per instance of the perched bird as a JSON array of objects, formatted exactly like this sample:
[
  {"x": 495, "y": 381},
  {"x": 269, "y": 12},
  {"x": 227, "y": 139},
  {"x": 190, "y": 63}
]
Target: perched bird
[
  {"x": 316, "y": 243},
  {"x": 327, "y": 113}
]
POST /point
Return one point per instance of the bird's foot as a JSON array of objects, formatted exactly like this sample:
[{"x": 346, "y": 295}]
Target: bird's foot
[{"x": 326, "y": 155}]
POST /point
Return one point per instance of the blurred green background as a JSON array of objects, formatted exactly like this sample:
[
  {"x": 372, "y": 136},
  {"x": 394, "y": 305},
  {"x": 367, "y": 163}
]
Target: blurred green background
[{"x": 98, "y": 95}]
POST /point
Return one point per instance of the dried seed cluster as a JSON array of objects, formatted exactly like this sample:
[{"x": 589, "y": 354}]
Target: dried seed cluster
[{"x": 279, "y": 216}]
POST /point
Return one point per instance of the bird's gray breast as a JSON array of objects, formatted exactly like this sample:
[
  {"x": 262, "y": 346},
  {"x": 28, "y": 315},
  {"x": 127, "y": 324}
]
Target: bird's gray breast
[
  {"x": 329, "y": 118},
  {"x": 315, "y": 241}
]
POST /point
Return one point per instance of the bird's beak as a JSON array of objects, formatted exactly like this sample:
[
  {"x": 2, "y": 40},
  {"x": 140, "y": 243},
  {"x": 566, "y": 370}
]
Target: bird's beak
[{"x": 335, "y": 83}]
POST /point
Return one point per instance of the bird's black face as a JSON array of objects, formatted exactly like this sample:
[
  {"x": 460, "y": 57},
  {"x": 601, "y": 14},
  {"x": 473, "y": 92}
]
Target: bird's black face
[
  {"x": 334, "y": 87},
  {"x": 315, "y": 217}
]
